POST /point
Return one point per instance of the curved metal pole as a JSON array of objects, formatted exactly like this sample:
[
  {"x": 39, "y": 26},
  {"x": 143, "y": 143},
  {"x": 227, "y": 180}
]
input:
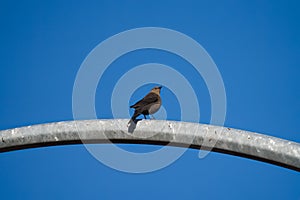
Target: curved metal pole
[{"x": 219, "y": 139}]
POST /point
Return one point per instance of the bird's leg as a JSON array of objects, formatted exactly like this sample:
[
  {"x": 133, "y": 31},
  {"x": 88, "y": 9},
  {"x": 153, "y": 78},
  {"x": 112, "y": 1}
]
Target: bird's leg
[
  {"x": 152, "y": 117},
  {"x": 145, "y": 117}
]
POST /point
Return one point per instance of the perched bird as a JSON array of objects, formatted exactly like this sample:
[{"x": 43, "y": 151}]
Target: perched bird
[{"x": 149, "y": 105}]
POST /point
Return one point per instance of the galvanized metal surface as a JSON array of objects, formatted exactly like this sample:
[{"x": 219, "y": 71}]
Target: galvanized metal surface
[{"x": 220, "y": 139}]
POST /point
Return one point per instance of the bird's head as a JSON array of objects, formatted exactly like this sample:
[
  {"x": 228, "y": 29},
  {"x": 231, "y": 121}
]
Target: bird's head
[{"x": 156, "y": 89}]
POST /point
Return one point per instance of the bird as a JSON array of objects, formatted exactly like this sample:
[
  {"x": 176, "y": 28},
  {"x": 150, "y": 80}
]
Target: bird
[{"x": 149, "y": 105}]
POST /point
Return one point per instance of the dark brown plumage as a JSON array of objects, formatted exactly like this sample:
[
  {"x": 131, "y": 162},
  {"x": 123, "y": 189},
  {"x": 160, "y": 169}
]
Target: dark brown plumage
[{"x": 149, "y": 105}]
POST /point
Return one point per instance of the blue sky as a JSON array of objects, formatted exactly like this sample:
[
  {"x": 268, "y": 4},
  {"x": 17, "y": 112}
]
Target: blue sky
[{"x": 255, "y": 45}]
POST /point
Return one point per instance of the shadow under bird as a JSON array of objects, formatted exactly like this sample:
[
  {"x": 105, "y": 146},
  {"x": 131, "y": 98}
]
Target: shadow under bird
[{"x": 149, "y": 105}]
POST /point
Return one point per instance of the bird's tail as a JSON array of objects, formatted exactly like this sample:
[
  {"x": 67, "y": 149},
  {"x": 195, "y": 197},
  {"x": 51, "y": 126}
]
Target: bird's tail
[{"x": 134, "y": 116}]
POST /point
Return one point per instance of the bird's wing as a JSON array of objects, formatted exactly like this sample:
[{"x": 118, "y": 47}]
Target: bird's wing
[{"x": 148, "y": 99}]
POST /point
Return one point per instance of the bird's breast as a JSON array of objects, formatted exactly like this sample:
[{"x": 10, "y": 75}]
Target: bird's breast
[{"x": 154, "y": 108}]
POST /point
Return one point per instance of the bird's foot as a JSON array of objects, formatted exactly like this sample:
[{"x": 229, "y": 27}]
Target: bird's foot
[{"x": 152, "y": 117}]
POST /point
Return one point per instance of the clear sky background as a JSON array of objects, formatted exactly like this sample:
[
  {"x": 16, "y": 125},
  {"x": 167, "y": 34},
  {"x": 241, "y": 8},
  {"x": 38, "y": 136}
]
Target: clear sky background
[{"x": 255, "y": 45}]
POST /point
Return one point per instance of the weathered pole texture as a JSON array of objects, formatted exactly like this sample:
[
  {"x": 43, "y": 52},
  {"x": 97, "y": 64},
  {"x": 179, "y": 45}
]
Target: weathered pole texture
[{"x": 160, "y": 132}]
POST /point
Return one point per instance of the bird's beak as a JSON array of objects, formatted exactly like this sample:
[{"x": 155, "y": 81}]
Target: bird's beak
[{"x": 159, "y": 87}]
